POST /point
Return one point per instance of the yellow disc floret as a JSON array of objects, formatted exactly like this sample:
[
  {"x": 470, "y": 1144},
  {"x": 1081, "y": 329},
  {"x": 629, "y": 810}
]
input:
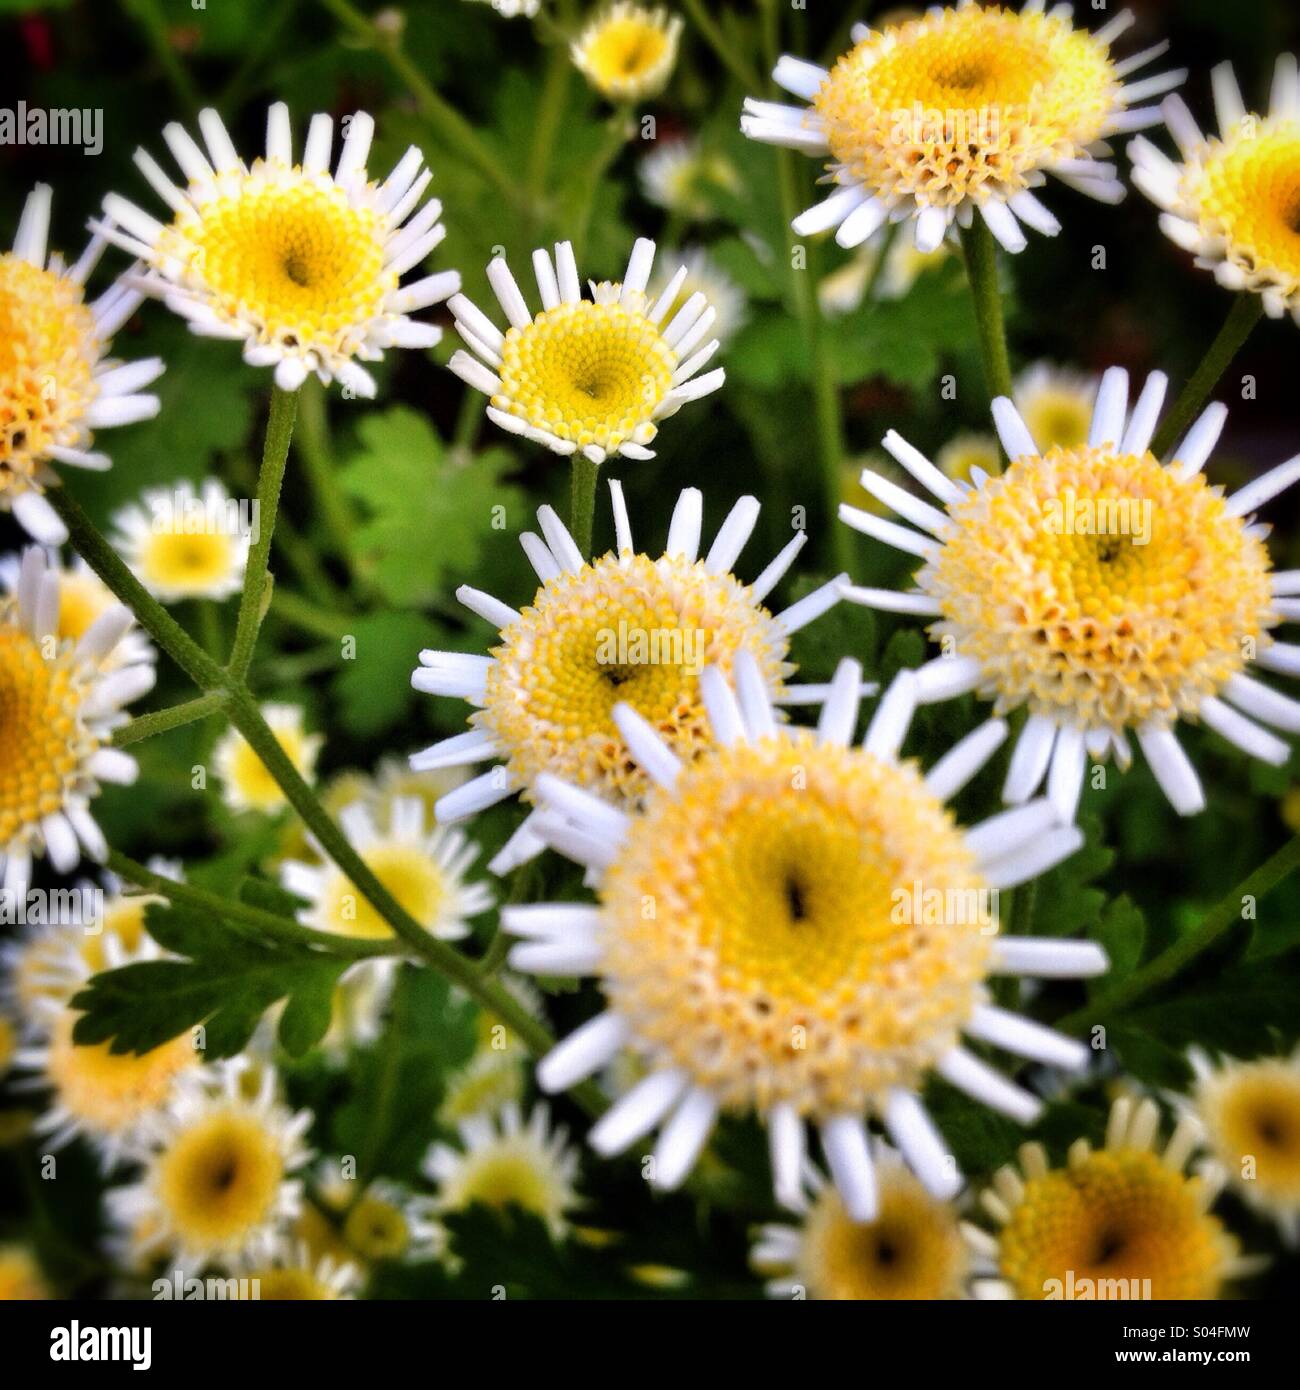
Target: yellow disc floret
[
  {"x": 1100, "y": 586},
  {"x": 587, "y": 373},
  {"x": 912, "y": 1250},
  {"x": 219, "y": 1180},
  {"x": 44, "y": 743},
  {"x": 965, "y": 103},
  {"x": 1244, "y": 194},
  {"x": 780, "y": 961},
  {"x": 1123, "y": 1219},
  {"x": 628, "y": 52},
  {"x": 48, "y": 350},
  {"x": 290, "y": 254},
  {"x": 410, "y": 873},
  {"x": 1251, "y": 1115},
  {"x": 630, "y": 630}
]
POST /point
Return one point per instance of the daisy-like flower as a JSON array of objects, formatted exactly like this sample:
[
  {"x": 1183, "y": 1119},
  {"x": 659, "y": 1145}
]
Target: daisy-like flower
[
  {"x": 967, "y": 455},
  {"x": 912, "y": 1250},
  {"x": 704, "y": 276},
  {"x": 61, "y": 703},
  {"x": 514, "y": 9},
  {"x": 796, "y": 926},
  {"x": 675, "y": 172},
  {"x": 1125, "y": 1221},
  {"x": 57, "y": 383},
  {"x": 591, "y": 374},
  {"x": 218, "y": 1175},
  {"x": 841, "y": 292},
  {"x": 1057, "y": 405},
  {"x": 1249, "y": 1114},
  {"x": 628, "y": 52},
  {"x": 546, "y": 694},
  {"x": 83, "y": 597},
  {"x": 508, "y": 1161},
  {"x": 246, "y": 784},
  {"x": 182, "y": 542},
  {"x": 278, "y": 1266},
  {"x": 424, "y": 869},
  {"x": 1106, "y": 592},
  {"x": 1232, "y": 200},
  {"x": 389, "y": 1223},
  {"x": 103, "y": 1096},
  {"x": 961, "y": 111},
  {"x": 396, "y": 780},
  {"x": 495, "y": 1074},
  {"x": 300, "y": 266}
]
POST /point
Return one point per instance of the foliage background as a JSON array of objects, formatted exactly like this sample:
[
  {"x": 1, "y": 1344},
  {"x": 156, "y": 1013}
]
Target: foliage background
[{"x": 419, "y": 471}]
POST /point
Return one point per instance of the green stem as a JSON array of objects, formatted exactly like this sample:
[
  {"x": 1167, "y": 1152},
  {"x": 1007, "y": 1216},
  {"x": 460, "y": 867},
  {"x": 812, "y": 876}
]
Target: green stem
[
  {"x": 550, "y": 111},
  {"x": 982, "y": 272},
  {"x": 449, "y": 125},
  {"x": 149, "y": 15},
  {"x": 726, "y": 52},
  {"x": 887, "y": 241},
  {"x": 275, "y": 454},
  {"x": 174, "y": 717},
  {"x": 582, "y": 501},
  {"x": 265, "y": 39},
  {"x": 1170, "y": 963},
  {"x": 617, "y": 131},
  {"x": 1246, "y": 312},
  {"x": 270, "y": 924},
  {"x": 306, "y": 615},
  {"x": 210, "y": 627},
  {"x": 313, "y": 447}
]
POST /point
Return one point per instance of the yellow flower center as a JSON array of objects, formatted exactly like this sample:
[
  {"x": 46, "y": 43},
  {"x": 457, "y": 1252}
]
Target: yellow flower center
[
  {"x": 247, "y": 773},
  {"x": 965, "y": 103},
  {"x": 297, "y": 1285},
  {"x": 109, "y": 1092},
  {"x": 760, "y": 931},
  {"x": 376, "y": 1229},
  {"x": 1246, "y": 190},
  {"x": 1057, "y": 417},
  {"x": 20, "y": 1276},
  {"x": 637, "y": 631},
  {"x": 124, "y": 923},
  {"x": 1100, "y": 585},
  {"x": 220, "y": 1179},
  {"x": 912, "y": 1250},
  {"x": 43, "y": 742},
  {"x": 1117, "y": 1215},
  {"x": 82, "y": 598},
  {"x": 290, "y": 253},
  {"x": 410, "y": 874},
  {"x": 587, "y": 373},
  {"x": 1252, "y": 1115},
  {"x": 628, "y": 51},
  {"x": 505, "y": 1178},
  {"x": 183, "y": 563},
  {"x": 48, "y": 351}
]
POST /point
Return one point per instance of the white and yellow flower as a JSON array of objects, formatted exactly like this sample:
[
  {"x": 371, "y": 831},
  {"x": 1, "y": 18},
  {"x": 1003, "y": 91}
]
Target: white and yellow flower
[
  {"x": 246, "y": 784},
  {"x": 21, "y": 1278},
  {"x": 299, "y": 265},
  {"x": 958, "y": 112},
  {"x": 623, "y": 628},
  {"x": 597, "y": 374},
  {"x": 968, "y": 456},
  {"x": 61, "y": 701},
  {"x": 219, "y": 1169},
  {"x": 1056, "y": 403},
  {"x": 628, "y": 52},
  {"x": 796, "y": 926},
  {"x": 1126, "y": 1221},
  {"x": 1233, "y": 199},
  {"x": 508, "y": 1161},
  {"x": 1108, "y": 593},
  {"x": 676, "y": 174},
  {"x": 281, "y": 1267},
  {"x": 1249, "y": 1115},
  {"x": 57, "y": 383},
  {"x": 424, "y": 869},
  {"x": 705, "y": 276},
  {"x": 913, "y": 1249},
  {"x": 83, "y": 597},
  {"x": 182, "y": 542},
  {"x": 843, "y": 290}
]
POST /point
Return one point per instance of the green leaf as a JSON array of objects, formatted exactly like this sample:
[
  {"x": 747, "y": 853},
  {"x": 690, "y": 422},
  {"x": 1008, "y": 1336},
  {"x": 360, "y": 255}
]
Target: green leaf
[
  {"x": 433, "y": 516},
  {"x": 1065, "y": 903},
  {"x": 374, "y": 687},
  {"x": 227, "y": 982},
  {"x": 1122, "y": 931}
]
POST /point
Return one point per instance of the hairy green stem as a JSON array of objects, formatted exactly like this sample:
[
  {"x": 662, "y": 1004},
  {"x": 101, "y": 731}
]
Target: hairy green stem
[
  {"x": 582, "y": 500},
  {"x": 1246, "y": 312},
  {"x": 275, "y": 455},
  {"x": 301, "y": 612},
  {"x": 311, "y": 442},
  {"x": 982, "y": 272},
  {"x": 174, "y": 717},
  {"x": 1171, "y": 962}
]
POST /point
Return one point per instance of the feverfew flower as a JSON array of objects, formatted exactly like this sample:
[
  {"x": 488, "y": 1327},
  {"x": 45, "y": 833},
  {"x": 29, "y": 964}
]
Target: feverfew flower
[
  {"x": 711, "y": 897},
  {"x": 61, "y": 702},
  {"x": 624, "y": 628},
  {"x": 960, "y": 111},
  {"x": 299, "y": 265},
  {"x": 675, "y": 172},
  {"x": 1232, "y": 200},
  {"x": 627, "y": 52},
  {"x": 705, "y": 276},
  {"x": 57, "y": 383},
  {"x": 182, "y": 542},
  {"x": 592, "y": 374},
  {"x": 246, "y": 784},
  {"x": 1109, "y": 594}
]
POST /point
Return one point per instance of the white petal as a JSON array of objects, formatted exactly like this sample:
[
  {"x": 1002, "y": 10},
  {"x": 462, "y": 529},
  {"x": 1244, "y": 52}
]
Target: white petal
[
  {"x": 844, "y": 1141},
  {"x": 1172, "y": 769},
  {"x": 965, "y": 1071},
  {"x": 964, "y": 759},
  {"x": 583, "y": 1052}
]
